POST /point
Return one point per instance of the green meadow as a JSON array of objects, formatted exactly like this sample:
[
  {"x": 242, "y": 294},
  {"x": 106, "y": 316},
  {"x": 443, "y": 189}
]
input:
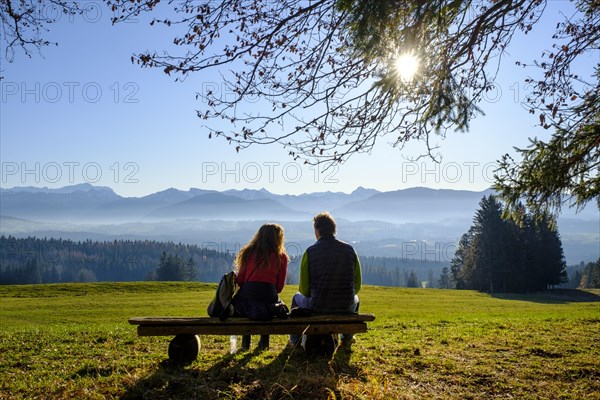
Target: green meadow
[{"x": 72, "y": 341}]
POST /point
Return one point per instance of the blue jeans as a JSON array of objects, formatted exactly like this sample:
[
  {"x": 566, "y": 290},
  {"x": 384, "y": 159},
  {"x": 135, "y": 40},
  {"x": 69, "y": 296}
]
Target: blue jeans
[{"x": 299, "y": 300}]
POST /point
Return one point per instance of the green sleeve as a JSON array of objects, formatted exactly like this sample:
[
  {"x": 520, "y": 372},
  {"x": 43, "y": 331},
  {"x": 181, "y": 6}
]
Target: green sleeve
[
  {"x": 357, "y": 276},
  {"x": 304, "y": 286}
]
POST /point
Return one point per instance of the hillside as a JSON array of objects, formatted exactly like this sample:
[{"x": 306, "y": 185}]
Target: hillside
[{"x": 73, "y": 341}]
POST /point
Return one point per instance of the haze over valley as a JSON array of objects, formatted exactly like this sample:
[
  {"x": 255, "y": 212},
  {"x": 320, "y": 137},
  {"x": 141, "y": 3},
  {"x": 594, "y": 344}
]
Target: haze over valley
[{"x": 415, "y": 223}]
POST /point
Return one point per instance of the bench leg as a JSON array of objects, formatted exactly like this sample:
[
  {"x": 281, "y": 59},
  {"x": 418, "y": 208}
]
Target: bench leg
[
  {"x": 246, "y": 341},
  {"x": 184, "y": 349},
  {"x": 263, "y": 343}
]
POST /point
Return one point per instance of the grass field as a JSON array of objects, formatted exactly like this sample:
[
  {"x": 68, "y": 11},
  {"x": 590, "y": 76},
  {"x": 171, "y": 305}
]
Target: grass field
[{"x": 73, "y": 341}]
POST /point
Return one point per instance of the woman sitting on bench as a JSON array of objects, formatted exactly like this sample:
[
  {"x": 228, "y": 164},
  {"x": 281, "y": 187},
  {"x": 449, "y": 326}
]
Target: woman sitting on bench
[{"x": 261, "y": 267}]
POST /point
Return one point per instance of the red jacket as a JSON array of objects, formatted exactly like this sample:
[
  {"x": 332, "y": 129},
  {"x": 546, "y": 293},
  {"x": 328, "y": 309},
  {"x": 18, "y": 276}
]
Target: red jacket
[{"x": 269, "y": 275}]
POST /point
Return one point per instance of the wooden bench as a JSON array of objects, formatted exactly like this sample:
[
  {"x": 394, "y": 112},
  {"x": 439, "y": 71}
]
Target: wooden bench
[{"x": 184, "y": 347}]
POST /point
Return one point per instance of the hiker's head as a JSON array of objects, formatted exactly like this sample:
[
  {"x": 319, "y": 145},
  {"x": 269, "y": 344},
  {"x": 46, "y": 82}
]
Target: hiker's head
[
  {"x": 324, "y": 224},
  {"x": 270, "y": 238},
  {"x": 267, "y": 240}
]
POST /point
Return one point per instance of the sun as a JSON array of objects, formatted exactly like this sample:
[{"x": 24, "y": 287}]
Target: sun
[{"x": 406, "y": 66}]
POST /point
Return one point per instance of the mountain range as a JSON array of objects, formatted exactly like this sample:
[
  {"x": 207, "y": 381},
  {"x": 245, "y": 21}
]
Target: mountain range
[{"x": 379, "y": 222}]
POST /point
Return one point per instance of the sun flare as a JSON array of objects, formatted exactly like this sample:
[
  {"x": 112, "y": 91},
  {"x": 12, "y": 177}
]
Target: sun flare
[{"x": 406, "y": 66}]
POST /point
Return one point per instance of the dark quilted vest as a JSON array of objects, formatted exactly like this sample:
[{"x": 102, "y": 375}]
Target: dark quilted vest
[{"x": 331, "y": 271}]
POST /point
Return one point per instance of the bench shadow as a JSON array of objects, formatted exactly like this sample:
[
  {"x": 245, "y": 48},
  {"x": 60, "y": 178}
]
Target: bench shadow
[
  {"x": 554, "y": 296},
  {"x": 290, "y": 373}
]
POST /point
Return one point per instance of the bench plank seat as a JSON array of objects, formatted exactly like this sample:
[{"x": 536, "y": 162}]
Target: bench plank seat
[
  {"x": 186, "y": 344},
  {"x": 315, "y": 324},
  {"x": 202, "y": 321}
]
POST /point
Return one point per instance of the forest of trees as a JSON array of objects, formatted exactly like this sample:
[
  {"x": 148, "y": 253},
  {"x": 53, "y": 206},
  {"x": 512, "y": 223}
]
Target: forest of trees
[
  {"x": 589, "y": 275},
  {"x": 533, "y": 262},
  {"x": 500, "y": 255},
  {"x": 174, "y": 268},
  {"x": 35, "y": 260}
]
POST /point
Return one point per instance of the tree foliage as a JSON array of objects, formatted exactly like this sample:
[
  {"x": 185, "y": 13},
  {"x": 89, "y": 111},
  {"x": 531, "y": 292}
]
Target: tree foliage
[
  {"x": 498, "y": 255},
  {"x": 326, "y": 69},
  {"x": 320, "y": 76},
  {"x": 174, "y": 268},
  {"x": 563, "y": 170},
  {"x": 25, "y": 23},
  {"x": 48, "y": 260},
  {"x": 590, "y": 277},
  {"x": 444, "y": 282}
]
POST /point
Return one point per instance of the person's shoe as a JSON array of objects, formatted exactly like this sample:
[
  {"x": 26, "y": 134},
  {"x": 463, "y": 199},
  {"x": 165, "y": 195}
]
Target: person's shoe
[
  {"x": 300, "y": 312},
  {"x": 283, "y": 311}
]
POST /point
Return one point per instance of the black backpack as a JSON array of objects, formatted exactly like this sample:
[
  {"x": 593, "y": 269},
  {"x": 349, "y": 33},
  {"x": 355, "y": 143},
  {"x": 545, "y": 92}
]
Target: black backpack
[{"x": 221, "y": 305}]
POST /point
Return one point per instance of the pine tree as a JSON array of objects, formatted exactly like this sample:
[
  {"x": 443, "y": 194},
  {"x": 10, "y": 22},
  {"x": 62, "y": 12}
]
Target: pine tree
[
  {"x": 490, "y": 236},
  {"x": 413, "y": 280},
  {"x": 590, "y": 277},
  {"x": 503, "y": 255},
  {"x": 190, "y": 270},
  {"x": 458, "y": 264},
  {"x": 575, "y": 280},
  {"x": 552, "y": 268},
  {"x": 430, "y": 279},
  {"x": 170, "y": 268},
  {"x": 444, "y": 282}
]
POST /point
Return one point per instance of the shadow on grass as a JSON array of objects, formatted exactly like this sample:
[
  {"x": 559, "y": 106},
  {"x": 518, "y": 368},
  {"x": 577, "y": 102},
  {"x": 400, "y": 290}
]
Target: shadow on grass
[
  {"x": 554, "y": 296},
  {"x": 249, "y": 375}
]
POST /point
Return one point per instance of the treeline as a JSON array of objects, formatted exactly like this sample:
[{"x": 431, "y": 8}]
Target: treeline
[
  {"x": 500, "y": 255},
  {"x": 401, "y": 272},
  {"x": 173, "y": 268},
  {"x": 585, "y": 276},
  {"x": 49, "y": 260},
  {"x": 35, "y": 260}
]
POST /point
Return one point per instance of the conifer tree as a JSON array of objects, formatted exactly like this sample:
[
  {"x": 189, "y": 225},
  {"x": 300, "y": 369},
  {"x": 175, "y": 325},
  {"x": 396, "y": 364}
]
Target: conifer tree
[
  {"x": 444, "y": 281},
  {"x": 508, "y": 256},
  {"x": 552, "y": 260},
  {"x": 591, "y": 275},
  {"x": 190, "y": 270},
  {"x": 413, "y": 280},
  {"x": 459, "y": 263}
]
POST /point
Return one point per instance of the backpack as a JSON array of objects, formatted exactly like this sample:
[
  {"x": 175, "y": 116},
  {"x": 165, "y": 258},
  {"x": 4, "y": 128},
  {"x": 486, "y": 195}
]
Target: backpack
[
  {"x": 320, "y": 345},
  {"x": 221, "y": 305}
]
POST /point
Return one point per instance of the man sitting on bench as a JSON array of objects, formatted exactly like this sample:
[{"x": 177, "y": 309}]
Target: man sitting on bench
[{"x": 330, "y": 278}]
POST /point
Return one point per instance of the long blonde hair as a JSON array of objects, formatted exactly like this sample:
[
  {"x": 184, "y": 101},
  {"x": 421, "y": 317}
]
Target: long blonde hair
[{"x": 269, "y": 239}]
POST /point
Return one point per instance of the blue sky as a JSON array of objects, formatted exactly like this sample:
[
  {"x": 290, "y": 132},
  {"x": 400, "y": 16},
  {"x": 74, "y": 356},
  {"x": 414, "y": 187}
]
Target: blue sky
[{"x": 81, "y": 112}]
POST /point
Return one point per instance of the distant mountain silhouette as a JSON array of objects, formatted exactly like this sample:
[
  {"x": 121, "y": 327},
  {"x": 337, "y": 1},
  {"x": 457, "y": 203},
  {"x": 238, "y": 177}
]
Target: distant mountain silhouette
[
  {"x": 138, "y": 207},
  {"x": 221, "y": 206},
  {"x": 88, "y": 203},
  {"x": 79, "y": 201},
  {"x": 414, "y": 205},
  {"x": 377, "y": 223},
  {"x": 81, "y": 187}
]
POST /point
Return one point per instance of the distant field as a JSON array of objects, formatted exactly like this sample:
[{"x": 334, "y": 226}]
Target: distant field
[{"x": 73, "y": 341}]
